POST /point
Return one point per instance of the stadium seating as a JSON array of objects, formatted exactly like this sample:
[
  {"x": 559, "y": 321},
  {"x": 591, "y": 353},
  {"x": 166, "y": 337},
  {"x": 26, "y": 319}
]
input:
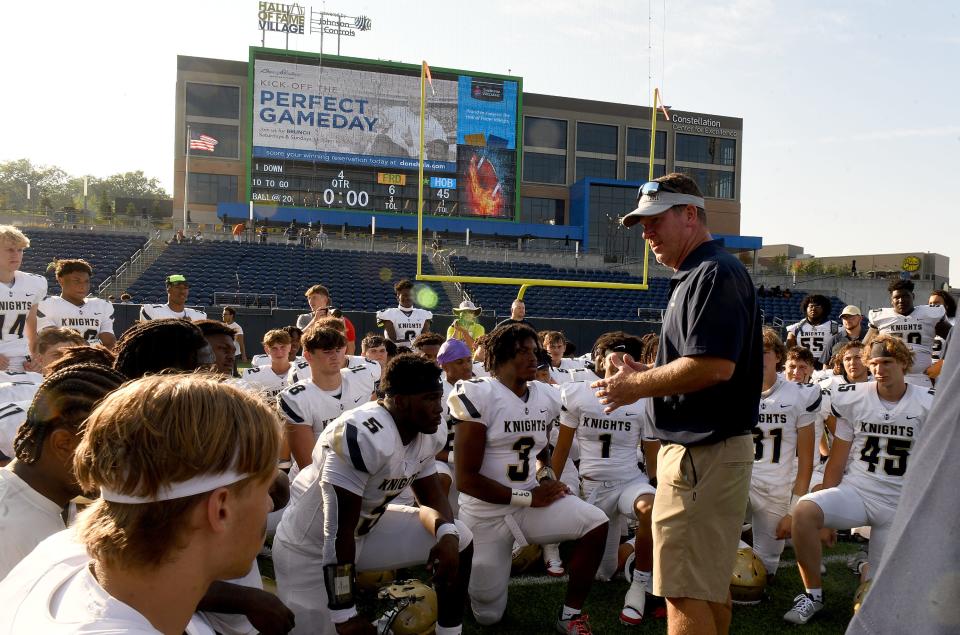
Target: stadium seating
[
  {"x": 597, "y": 304},
  {"x": 104, "y": 252},
  {"x": 358, "y": 280}
]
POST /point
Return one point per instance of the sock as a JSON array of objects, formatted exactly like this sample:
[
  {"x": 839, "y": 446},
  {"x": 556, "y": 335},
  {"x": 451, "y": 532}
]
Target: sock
[
  {"x": 816, "y": 594},
  {"x": 449, "y": 630},
  {"x": 641, "y": 576},
  {"x": 567, "y": 613}
]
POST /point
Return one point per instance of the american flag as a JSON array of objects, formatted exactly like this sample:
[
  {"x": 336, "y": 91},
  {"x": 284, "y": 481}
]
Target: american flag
[{"x": 204, "y": 142}]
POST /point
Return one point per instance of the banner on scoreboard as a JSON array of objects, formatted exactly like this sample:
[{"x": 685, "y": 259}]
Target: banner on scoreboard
[{"x": 368, "y": 116}]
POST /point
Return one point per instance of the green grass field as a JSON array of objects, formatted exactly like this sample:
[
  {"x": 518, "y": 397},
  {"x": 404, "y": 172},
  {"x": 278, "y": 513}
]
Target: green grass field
[{"x": 535, "y": 601}]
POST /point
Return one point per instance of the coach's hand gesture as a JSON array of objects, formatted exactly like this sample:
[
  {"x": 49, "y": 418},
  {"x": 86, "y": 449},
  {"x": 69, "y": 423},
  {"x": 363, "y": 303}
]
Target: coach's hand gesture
[
  {"x": 547, "y": 492},
  {"x": 621, "y": 388}
]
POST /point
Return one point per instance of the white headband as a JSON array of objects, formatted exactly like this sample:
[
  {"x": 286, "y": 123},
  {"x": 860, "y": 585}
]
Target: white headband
[{"x": 196, "y": 485}]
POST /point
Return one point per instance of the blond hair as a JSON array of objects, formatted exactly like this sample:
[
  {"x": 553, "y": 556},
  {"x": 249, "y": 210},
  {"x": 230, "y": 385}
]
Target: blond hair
[
  {"x": 894, "y": 348},
  {"x": 276, "y": 336},
  {"x": 771, "y": 340},
  {"x": 10, "y": 235},
  {"x": 159, "y": 430}
]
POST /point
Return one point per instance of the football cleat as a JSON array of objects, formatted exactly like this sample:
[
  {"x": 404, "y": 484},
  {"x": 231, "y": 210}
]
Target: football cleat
[
  {"x": 857, "y": 560},
  {"x": 576, "y": 625},
  {"x": 804, "y": 608},
  {"x": 551, "y": 558},
  {"x": 635, "y": 601}
]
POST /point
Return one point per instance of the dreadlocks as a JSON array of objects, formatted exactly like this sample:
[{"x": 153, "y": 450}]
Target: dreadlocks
[
  {"x": 158, "y": 345},
  {"x": 501, "y": 344},
  {"x": 64, "y": 400}
]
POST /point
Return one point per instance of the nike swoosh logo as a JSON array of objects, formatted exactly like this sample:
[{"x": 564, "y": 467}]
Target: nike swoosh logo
[
  {"x": 542, "y": 411},
  {"x": 913, "y": 418},
  {"x": 629, "y": 414},
  {"x": 358, "y": 399},
  {"x": 785, "y": 406}
]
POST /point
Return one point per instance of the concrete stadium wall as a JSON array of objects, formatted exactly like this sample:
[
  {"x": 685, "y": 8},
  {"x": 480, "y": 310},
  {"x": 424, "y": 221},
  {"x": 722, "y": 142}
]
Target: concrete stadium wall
[{"x": 583, "y": 333}]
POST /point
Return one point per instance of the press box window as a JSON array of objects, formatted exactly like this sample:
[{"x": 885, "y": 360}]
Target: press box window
[
  {"x": 545, "y": 133},
  {"x": 594, "y": 137},
  {"x": 210, "y": 189},
  {"x": 541, "y": 210},
  {"x": 544, "y": 168},
  {"x": 210, "y": 100}
]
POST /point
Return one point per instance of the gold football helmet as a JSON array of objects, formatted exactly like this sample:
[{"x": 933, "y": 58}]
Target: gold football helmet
[
  {"x": 860, "y": 595},
  {"x": 414, "y": 610},
  {"x": 373, "y": 580},
  {"x": 749, "y": 578},
  {"x": 524, "y": 558}
]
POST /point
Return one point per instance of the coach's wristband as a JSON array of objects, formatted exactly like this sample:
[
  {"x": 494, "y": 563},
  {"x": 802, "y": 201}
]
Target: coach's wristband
[
  {"x": 521, "y": 498},
  {"x": 339, "y": 616},
  {"x": 447, "y": 529},
  {"x": 794, "y": 499}
]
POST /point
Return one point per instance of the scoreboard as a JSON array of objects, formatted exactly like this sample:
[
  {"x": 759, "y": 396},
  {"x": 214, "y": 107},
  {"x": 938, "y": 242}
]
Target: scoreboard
[{"x": 344, "y": 135}]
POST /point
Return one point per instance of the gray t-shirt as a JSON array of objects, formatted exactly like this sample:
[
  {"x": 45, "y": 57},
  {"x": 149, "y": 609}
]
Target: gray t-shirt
[{"x": 916, "y": 587}]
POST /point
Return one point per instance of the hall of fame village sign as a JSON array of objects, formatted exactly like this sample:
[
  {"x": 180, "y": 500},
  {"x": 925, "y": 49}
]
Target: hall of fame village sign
[{"x": 298, "y": 19}]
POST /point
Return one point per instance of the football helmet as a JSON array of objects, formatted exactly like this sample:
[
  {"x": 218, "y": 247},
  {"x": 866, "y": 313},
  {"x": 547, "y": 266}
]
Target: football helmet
[
  {"x": 373, "y": 580},
  {"x": 413, "y": 610},
  {"x": 749, "y": 578},
  {"x": 860, "y": 595},
  {"x": 524, "y": 558}
]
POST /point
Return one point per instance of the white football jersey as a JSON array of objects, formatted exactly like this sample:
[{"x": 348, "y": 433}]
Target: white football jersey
[
  {"x": 264, "y": 360},
  {"x": 584, "y": 374},
  {"x": 917, "y": 330},
  {"x": 361, "y": 452},
  {"x": 784, "y": 409},
  {"x": 91, "y": 319},
  {"x": 301, "y": 370},
  {"x": 16, "y": 301},
  {"x": 19, "y": 385},
  {"x": 163, "y": 312},
  {"x": 818, "y": 339},
  {"x": 479, "y": 371},
  {"x": 882, "y": 439},
  {"x": 517, "y": 430},
  {"x": 408, "y": 323},
  {"x": 12, "y": 416},
  {"x": 304, "y": 403},
  {"x": 608, "y": 442},
  {"x": 263, "y": 381}
]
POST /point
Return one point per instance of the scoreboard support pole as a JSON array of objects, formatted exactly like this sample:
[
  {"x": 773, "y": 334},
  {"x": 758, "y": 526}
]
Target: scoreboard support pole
[{"x": 423, "y": 118}]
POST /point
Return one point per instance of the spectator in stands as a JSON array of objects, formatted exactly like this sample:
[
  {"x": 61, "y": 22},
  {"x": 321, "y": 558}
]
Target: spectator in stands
[
  {"x": 230, "y": 319},
  {"x": 111, "y": 298},
  {"x": 178, "y": 238},
  {"x": 36, "y": 488},
  {"x": 816, "y": 331},
  {"x": 220, "y": 338},
  {"x": 318, "y": 297},
  {"x": 465, "y": 326},
  {"x": 374, "y": 348},
  {"x": 198, "y": 237},
  {"x": 178, "y": 290},
  {"x": 238, "y": 232},
  {"x": 321, "y": 238},
  {"x": 262, "y": 234},
  {"x": 799, "y": 365},
  {"x": 518, "y": 312},
  {"x": 428, "y": 344},
  {"x": 852, "y": 331},
  {"x": 126, "y": 298}
]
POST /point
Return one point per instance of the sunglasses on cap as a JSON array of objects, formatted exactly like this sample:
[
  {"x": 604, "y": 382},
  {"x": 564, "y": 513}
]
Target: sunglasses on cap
[{"x": 652, "y": 190}]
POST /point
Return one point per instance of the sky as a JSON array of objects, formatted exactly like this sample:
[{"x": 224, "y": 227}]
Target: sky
[{"x": 851, "y": 109}]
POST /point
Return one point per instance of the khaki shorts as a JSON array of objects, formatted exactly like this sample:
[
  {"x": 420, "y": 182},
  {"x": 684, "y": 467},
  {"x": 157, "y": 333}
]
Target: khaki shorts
[{"x": 702, "y": 495}]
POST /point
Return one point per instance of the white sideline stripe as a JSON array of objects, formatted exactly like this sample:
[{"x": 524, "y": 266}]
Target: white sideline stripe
[{"x": 546, "y": 580}]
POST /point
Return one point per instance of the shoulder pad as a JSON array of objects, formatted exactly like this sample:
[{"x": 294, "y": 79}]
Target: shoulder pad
[
  {"x": 468, "y": 399},
  {"x": 360, "y": 439},
  {"x": 287, "y": 401}
]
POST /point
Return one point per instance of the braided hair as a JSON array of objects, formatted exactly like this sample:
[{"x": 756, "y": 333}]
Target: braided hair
[
  {"x": 64, "y": 400},
  {"x": 501, "y": 344},
  {"x": 158, "y": 345},
  {"x": 73, "y": 355}
]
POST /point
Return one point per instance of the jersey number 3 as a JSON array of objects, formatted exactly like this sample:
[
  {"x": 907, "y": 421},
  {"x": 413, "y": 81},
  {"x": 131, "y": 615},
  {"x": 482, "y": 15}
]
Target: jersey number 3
[{"x": 520, "y": 471}]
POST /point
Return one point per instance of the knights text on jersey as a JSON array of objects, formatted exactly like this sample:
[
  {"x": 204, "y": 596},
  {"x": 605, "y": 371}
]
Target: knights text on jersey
[
  {"x": 93, "y": 317},
  {"x": 882, "y": 440},
  {"x": 784, "y": 409},
  {"x": 163, "y": 312},
  {"x": 407, "y": 323},
  {"x": 517, "y": 430},
  {"x": 608, "y": 442},
  {"x": 917, "y": 330},
  {"x": 304, "y": 403},
  {"x": 16, "y": 301},
  {"x": 817, "y": 338},
  {"x": 361, "y": 452}
]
